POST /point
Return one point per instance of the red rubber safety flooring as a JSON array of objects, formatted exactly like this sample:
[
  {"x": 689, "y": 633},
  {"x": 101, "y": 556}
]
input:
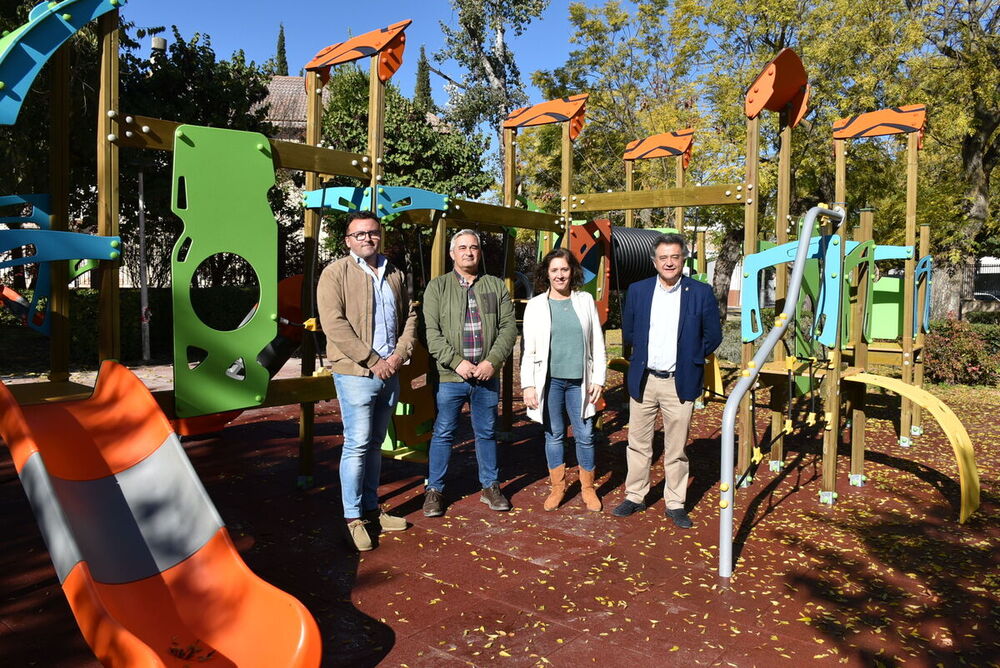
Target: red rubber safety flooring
[{"x": 886, "y": 577}]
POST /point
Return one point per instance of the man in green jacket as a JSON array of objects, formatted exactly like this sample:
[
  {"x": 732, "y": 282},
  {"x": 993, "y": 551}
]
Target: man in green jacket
[{"x": 470, "y": 332}]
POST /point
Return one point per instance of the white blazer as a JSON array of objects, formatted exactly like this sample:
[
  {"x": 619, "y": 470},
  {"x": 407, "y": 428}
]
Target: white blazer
[{"x": 536, "y": 335}]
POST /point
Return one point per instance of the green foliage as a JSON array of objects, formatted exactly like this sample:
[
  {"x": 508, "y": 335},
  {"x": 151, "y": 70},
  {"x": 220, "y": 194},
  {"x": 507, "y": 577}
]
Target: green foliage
[
  {"x": 959, "y": 353},
  {"x": 491, "y": 86},
  {"x": 280, "y": 57},
  {"x": 983, "y": 317},
  {"x": 417, "y": 153},
  {"x": 422, "y": 98}
]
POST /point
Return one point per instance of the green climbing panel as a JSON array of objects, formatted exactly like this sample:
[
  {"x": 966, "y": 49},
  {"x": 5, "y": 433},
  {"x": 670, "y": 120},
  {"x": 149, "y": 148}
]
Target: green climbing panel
[
  {"x": 887, "y": 311},
  {"x": 221, "y": 179}
]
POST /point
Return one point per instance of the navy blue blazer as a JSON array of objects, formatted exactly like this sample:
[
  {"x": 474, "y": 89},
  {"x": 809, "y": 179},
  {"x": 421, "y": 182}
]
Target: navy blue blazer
[{"x": 698, "y": 334}]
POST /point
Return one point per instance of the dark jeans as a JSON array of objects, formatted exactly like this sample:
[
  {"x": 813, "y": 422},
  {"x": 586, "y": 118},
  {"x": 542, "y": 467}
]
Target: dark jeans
[
  {"x": 563, "y": 396},
  {"x": 483, "y": 398}
]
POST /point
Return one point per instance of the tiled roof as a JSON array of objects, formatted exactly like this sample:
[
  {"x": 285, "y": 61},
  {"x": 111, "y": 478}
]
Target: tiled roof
[{"x": 286, "y": 97}]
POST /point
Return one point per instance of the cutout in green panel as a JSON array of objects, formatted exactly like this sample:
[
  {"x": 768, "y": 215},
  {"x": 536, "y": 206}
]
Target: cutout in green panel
[{"x": 221, "y": 179}]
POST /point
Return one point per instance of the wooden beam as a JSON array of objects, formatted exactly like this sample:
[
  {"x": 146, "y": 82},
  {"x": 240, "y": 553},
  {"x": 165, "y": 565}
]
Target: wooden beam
[
  {"x": 858, "y": 398},
  {"x": 109, "y": 309},
  {"x": 679, "y": 211},
  {"x": 287, "y": 154},
  {"x": 439, "y": 251},
  {"x": 477, "y": 213},
  {"x": 58, "y": 306},
  {"x": 312, "y": 222},
  {"x": 840, "y": 172},
  {"x": 376, "y": 122},
  {"x": 831, "y": 387},
  {"x": 629, "y": 187},
  {"x": 909, "y": 271},
  {"x": 657, "y": 199},
  {"x": 746, "y": 428},
  {"x": 781, "y": 276}
]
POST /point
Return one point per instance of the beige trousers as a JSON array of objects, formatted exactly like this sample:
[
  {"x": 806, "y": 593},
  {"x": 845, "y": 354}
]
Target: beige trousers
[{"x": 659, "y": 394}]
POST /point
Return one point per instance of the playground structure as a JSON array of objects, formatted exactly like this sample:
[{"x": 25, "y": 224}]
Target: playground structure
[
  {"x": 217, "y": 373},
  {"x": 842, "y": 315}
]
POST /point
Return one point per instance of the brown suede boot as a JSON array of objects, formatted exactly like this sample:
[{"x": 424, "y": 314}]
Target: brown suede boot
[
  {"x": 557, "y": 481},
  {"x": 587, "y": 491}
]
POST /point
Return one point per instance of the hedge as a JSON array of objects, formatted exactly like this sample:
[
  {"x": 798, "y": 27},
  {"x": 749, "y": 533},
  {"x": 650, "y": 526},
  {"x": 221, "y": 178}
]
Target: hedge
[{"x": 222, "y": 307}]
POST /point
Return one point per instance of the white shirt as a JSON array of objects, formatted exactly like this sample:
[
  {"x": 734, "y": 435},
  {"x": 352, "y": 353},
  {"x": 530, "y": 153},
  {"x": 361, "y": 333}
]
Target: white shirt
[{"x": 664, "y": 320}]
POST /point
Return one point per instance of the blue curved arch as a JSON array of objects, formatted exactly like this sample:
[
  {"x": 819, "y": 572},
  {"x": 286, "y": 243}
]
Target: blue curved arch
[{"x": 26, "y": 49}]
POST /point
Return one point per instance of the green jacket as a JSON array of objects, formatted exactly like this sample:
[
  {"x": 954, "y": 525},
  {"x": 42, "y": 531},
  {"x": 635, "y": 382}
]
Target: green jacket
[{"x": 444, "y": 307}]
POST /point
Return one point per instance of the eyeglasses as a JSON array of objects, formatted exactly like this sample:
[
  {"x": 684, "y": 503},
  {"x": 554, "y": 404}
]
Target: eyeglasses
[{"x": 370, "y": 234}]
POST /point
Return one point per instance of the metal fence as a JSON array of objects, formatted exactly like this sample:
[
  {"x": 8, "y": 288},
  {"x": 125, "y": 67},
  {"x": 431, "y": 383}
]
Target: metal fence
[{"x": 983, "y": 280}]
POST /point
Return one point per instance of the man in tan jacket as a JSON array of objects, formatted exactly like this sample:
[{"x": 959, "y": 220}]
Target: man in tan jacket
[{"x": 370, "y": 324}]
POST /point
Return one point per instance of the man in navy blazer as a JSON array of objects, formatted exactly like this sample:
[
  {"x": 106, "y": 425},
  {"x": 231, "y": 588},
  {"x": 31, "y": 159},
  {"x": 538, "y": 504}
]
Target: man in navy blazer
[{"x": 672, "y": 323}]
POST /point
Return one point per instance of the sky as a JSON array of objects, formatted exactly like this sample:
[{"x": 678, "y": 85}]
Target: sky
[{"x": 252, "y": 25}]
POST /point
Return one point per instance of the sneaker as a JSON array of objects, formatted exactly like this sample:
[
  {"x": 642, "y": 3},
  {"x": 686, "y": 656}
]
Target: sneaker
[
  {"x": 626, "y": 508},
  {"x": 358, "y": 530},
  {"x": 385, "y": 521},
  {"x": 492, "y": 497},
  {"x": 680, "y": 517},
  {"x": 433, "y": 503}
]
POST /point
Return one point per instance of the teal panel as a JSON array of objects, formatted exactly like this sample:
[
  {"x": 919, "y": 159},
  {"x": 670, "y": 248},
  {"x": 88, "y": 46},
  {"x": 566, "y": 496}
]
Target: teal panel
[
  {"x": 26, "y": 49},
  {"x": 752, "y": 325},
  {"x": 887, "y": 312},
  {"x": 340, "y": 198},
  {"x": 221, "y": 179}
]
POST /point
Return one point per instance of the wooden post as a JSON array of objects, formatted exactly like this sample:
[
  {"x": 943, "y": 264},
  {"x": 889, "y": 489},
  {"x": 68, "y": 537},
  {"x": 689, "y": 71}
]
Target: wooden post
[
  {"x": 376, "y": 124},
  {"x": 840, "y": 173},
  {"x": 779, "y": 399},
  {"x": 702, "y": 261},
  {"x": 439, "y": 249},
  {"x": 565, "y": 181},
  {"x": 629, "y": 187},
  {"x": 679, "y": 211},
  {"x": 507, "y": 397},
  {"x": 510, "y": 239},
  {"x": 58, "y": 307},
  {"x": 859, "y": 399},
  {"x": 312, "y": 223},
  {"x": 909, "y": 269},
  {"x": 747, "y": 430},
  {"x": 831, "y": 385},
  {"x": 109, "y": 315},
  {"x": 918, "y": 361}
]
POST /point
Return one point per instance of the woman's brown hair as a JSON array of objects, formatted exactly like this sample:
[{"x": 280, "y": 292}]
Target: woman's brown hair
[{"x": 542, "y": 272}]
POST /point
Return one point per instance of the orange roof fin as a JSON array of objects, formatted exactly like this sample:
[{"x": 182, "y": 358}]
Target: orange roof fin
[
  {"x": 665, "y": 145},
  {"x": 781, "y": 83},
  {"x": 387, "y": 43},
  {"x": 570, "y": 109},
  {"x": 891, "y": 121}
]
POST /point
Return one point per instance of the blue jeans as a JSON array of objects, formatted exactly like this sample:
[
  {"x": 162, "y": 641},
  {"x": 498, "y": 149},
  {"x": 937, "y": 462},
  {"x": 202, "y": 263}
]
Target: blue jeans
[
  {"x": 366, "y": 406},
  {"x": 562, "y": 396},
  {"x": 483, "y": 398}
]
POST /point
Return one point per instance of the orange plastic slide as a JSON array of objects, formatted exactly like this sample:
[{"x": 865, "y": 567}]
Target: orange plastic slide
[{"x": 146, "y": 564}]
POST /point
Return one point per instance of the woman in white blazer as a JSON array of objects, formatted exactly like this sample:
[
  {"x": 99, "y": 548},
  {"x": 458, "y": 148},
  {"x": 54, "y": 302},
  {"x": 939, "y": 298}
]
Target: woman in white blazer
[{"x": 563, "y": 368}]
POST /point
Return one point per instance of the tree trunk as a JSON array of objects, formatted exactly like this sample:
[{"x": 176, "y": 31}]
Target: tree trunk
[
  {"x": 948, "y": 289},
  {"x": 725, "y": 262}
]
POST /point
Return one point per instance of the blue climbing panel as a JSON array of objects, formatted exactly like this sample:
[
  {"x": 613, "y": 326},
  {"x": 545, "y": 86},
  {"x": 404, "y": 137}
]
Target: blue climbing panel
[
  {"x": 26, "y": 49},
  {"x": 388, "y": 200}
]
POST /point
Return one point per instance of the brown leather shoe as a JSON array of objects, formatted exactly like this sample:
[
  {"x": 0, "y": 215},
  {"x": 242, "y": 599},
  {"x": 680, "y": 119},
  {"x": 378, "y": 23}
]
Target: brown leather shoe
[
  {"x": 587, "y": 491},
  {"x": 557, "y": 487}
]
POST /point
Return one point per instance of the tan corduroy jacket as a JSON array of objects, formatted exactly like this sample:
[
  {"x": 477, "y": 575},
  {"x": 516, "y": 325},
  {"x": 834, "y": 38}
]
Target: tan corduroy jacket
[{"x": 345, "y": 299}]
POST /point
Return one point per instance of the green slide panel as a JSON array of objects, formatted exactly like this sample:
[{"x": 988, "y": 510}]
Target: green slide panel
[{"x": 221, "y": 179}]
